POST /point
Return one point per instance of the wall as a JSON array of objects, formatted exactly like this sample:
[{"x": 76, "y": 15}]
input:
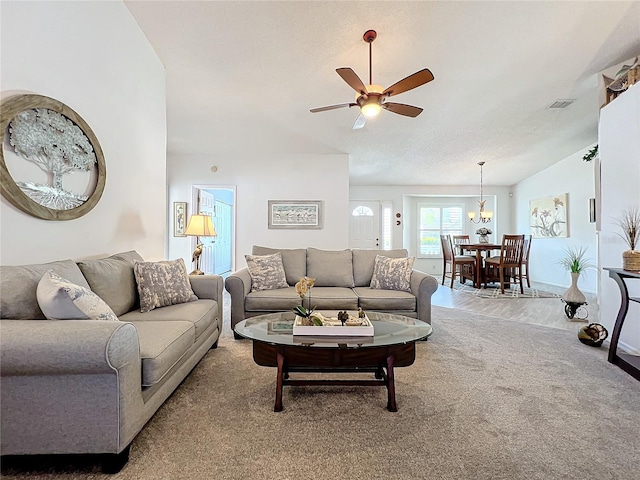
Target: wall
[
  {"x": 257, "y": 180},
  {"x": 93, "y": 57},
  {"x": 619, "y": 148},
  {"x": 570, "y": 175},
  {"x": 405, "y": 198}
]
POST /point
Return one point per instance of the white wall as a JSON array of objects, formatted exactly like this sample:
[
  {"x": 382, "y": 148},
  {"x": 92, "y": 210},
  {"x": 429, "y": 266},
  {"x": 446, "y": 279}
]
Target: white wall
[
  {"x": 405, "y": 198},
  {"x": 93, "y": 57},
  {"x": 619, "y": 148},
  {"x": 574, "y": 176},
  {"x": 258, "y": 179}
]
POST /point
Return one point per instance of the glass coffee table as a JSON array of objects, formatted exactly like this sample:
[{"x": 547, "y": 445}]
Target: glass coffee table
[{"x": 393, "y": 344}]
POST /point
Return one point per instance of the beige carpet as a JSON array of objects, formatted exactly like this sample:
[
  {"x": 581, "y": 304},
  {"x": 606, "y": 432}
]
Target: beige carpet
[{"x": 486, "y": 399}]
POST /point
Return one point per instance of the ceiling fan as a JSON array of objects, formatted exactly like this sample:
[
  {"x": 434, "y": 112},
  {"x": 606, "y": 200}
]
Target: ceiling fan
[{"x": 372, "y": 98}]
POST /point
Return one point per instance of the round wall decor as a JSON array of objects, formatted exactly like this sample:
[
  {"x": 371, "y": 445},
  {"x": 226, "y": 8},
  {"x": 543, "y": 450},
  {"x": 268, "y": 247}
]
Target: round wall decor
[{"x": 51, "y": 163}]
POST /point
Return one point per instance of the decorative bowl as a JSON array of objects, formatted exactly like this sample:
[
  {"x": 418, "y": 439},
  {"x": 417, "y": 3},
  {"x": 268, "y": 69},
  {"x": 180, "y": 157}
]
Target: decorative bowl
[{"x": 593, "y": 334}]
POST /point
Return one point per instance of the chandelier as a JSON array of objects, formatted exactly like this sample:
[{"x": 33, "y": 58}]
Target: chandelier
[{"x": 485, "y": 216}]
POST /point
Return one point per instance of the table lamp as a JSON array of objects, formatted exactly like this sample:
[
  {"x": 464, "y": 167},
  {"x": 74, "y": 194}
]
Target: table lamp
[{"x": 199, "y": 226}]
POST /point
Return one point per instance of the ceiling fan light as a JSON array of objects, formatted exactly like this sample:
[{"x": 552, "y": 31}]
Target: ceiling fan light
[{"x": 370, "y": 109}]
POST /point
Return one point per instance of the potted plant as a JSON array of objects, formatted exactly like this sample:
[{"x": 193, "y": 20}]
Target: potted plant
[
  {"x": 575, "y": 262},
  {"x": 629, "y": 223},
  {"x": 483, "y": 232}
]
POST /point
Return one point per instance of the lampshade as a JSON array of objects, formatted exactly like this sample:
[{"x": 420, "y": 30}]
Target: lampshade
[{"x": 200, "y": 226}]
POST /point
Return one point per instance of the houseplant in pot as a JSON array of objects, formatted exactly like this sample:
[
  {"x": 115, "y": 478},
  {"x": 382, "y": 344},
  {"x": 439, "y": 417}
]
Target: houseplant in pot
[
  {"x": 575, "y": 262},
  {"x": 629, "y": 223}
]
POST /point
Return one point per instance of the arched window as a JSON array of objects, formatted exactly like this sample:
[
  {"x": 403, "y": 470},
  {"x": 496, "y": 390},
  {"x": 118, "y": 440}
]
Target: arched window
[{"x": 362, "y": 211}]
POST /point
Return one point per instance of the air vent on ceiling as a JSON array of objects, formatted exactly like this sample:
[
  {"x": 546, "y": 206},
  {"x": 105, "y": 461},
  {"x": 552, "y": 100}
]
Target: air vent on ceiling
[{"x": 562, "y": 103}]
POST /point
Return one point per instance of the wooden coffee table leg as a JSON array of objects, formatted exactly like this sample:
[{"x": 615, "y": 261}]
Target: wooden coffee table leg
[
  {"x": 278, "y": 405},
  {"x": 391, "y": 387}
]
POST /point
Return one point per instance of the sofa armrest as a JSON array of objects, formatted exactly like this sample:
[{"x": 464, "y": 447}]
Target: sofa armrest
[
  {"x": 422, "y": 286},
  {"x": 210, "y": 287},
  {"x": 51, "y": 347},
  {"x": 238, "y": 284}
]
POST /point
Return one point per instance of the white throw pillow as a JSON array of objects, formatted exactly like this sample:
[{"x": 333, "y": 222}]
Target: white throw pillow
[
  {"x": 267, "y": 272},
  {"x": 59, "y": 299},
  {"x": 392, "y": 273},
  {"x": 161, "y": 284}
]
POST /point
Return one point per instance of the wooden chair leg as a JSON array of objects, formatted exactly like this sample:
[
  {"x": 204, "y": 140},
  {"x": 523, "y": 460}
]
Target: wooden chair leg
[
  {"x": 520, "y": 277},
  {"x": 444, "y": 272},
  {"x": 453, "y": 273},
  {"x": 502, "y": 280}
]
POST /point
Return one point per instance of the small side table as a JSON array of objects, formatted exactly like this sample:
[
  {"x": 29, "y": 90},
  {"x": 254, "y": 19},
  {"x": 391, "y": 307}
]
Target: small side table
[{"x": 629, "y": 363}]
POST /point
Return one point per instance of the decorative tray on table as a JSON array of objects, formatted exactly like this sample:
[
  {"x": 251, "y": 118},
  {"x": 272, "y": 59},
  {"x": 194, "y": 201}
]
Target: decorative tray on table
[{"x": 328, "y": 323}]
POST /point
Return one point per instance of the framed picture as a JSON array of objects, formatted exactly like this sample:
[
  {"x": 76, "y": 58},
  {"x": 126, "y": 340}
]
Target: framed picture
[
  {"x": 295, "y": 214},
  {"x": 548, "y": 216},
  {"x": 179, "y": 218}
]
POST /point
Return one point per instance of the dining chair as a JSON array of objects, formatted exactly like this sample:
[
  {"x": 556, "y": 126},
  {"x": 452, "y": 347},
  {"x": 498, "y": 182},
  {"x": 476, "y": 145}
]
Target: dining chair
[
  {"x": 460, "y": 240},
  {"x": 466, "y": 264},
  {"x": 525, "y": 259},
  {"x": 507, "y": 266}
]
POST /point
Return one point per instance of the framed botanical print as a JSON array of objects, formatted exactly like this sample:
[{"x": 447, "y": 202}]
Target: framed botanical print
[{"x": 179, "y": 218}]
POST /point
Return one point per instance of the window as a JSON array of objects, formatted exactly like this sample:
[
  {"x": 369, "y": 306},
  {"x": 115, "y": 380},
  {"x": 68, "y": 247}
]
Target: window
[
  {"x": 386, "y": 227},
  {"x": 435, "y": 220},
  {"x": 362, "y": 211}
]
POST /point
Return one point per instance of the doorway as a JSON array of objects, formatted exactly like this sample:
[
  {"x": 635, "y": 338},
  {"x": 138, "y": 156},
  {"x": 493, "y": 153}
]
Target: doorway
[{"x": 218, "y": 253}]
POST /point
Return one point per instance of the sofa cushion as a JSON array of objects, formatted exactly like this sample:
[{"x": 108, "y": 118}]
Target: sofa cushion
[
  {"x": 162, "y": 345},
  {"x": 162, "y": 283},
  {"x": 202, "y": 313},
  {"x": 60, "y": 299},
  {"x": 392, "y": 273},
  {"x": 267, "y": 272},
  {"x": 279, "y": 300},
  {"x": 386, "y": 300},
  {"x": 18, "y": 285},
  {"x": 294, "y": 261},
  {"x": 113, "y": 280},
  {"x": 333, "y": 298},
  {"x": 364, "y": 259},
  {"x": 330, "y": 268}
]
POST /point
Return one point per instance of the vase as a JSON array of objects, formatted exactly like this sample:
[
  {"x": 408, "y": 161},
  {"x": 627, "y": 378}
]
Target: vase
[
  {"x": 573, "y": 294},
  {"x": 483, "y": 239},
  {"x": 631, "y": 260}
]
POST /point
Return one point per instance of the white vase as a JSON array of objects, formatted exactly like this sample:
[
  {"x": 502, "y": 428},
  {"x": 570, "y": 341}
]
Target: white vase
[
  {"x": 483, "y": 239},
  {"x": 573, "y": 294}
]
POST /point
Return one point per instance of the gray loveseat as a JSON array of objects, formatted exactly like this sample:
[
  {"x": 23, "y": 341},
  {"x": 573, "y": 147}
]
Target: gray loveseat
[
  {"x": 343, "y": 279},
  {"x": 89, "y": 386}
]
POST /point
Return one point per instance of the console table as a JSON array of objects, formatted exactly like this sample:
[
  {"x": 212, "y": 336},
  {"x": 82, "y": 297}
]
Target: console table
[{"x": 629, "y": 363}]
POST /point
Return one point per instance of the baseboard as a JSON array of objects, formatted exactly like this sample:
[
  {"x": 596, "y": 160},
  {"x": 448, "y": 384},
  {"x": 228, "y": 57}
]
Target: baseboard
[{"x": 583, "y": 290}]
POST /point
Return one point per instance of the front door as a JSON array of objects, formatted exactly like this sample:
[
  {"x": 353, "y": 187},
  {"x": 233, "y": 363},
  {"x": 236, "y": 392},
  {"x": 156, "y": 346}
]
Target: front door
[{"x": 364, "y": 224}]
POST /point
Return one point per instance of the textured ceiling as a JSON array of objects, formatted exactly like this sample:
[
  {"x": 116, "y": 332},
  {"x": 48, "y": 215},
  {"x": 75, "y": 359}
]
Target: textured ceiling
[{"x": 242, "y": 76}]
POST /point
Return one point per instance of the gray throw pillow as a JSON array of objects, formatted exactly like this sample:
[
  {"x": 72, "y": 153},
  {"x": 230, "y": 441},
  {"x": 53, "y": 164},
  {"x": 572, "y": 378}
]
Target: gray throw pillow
[
  {"x": 267, "y": 272},
  {"x": 59, "y": 299},
  {"x": 392, "y": 273},
  {"x": 161, "y": 284}
]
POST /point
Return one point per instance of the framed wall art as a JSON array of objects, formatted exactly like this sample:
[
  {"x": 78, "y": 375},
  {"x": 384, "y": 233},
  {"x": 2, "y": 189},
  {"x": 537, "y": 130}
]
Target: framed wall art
[
  {"x": 179, "y": 218},
  {"x": 44, "y": 143},
  {"x": 548, "y": 216},
  {"x": 295, "y": 214}
]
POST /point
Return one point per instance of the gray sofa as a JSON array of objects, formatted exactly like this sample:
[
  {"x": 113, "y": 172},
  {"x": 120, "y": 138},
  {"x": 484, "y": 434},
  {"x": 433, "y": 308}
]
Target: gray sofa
[
  {"x": 343, "y": 279},
  {"x": 89, "y": 386}
]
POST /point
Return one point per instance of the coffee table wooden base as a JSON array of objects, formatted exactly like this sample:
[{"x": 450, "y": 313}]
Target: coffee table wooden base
[{"x": 380, "y": 361}]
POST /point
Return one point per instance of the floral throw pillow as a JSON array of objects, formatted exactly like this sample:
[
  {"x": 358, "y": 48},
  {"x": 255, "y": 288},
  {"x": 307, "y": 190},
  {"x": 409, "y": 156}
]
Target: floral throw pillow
[
  {"x": 161, "y": 284},
  {"x": 267, "y": 272},
  {"x": 392, "y": 273},
  {"x": 59, "y": 299}
]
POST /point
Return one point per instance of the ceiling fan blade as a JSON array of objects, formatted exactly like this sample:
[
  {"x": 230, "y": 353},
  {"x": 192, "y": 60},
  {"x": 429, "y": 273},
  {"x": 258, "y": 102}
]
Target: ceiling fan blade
[
  {"x": 352, "y": 79},
  {"x": 332, "y": 107},
  {"x": 410, "y": 82},
  {"x": 402, "y": 109},
  {"x": 360, "y": 121}
]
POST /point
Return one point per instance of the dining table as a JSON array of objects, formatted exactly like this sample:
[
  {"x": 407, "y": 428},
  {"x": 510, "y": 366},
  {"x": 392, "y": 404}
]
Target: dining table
[{"x": 479, "y": 248}]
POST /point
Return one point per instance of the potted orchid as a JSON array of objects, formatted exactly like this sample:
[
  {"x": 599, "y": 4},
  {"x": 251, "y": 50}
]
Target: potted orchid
[
  {"x": 483, "y": 232},
  {"x": 303, "y": 287}
]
